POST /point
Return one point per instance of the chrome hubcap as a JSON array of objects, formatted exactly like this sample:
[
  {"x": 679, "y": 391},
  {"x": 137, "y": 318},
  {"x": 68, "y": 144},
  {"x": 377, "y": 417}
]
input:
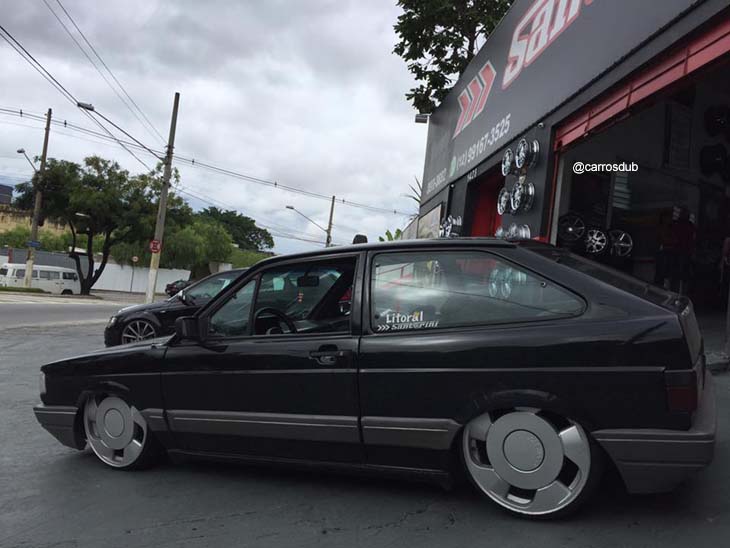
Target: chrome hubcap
[
  {"x": 115, "y": 431},
  {"x": 138, "y": 330},
  {"x": 527, "y": 461}
]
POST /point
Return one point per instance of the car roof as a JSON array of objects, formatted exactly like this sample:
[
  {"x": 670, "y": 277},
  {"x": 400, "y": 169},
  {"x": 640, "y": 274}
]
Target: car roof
[{"x": 394, "y": 245}]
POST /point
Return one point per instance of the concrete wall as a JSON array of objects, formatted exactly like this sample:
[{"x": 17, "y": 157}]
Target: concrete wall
[
  {"x": 114, "y": 278},
  {"x": 11, "y": 218}
]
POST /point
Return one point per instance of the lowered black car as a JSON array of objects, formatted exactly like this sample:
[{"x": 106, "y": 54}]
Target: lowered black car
[
  {"x": 147, "y": 321},
  {"x": 523, "y": 365}
]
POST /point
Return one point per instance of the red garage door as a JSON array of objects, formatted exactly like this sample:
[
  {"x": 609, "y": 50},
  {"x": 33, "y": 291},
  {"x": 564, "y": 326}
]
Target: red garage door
[{"x": 695, "y": 53}]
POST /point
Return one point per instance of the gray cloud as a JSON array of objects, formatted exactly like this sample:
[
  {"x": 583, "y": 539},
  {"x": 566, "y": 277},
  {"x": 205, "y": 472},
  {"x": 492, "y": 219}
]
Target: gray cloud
[{"x": 307, "y": 93}]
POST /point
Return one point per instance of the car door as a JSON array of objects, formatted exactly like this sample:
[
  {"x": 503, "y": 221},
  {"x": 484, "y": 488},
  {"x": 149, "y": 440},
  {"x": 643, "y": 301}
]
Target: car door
[
  {"x": 442, "y": 329},
  {"x": 254, "y": 388}
]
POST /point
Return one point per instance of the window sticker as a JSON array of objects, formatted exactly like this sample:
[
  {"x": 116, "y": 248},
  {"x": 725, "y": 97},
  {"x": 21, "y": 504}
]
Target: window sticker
[{"x": 398, "y": 321}]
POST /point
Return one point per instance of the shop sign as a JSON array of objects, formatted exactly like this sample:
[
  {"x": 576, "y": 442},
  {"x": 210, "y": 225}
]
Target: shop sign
[{"x": 541, "y": 54}]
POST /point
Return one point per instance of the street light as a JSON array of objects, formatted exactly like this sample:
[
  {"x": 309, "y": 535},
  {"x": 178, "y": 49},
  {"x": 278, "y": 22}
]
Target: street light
[
  {"x": 307, "y": 218},
  {"x": 327, "y": 230},
  {"x": 22, "y": 151}
]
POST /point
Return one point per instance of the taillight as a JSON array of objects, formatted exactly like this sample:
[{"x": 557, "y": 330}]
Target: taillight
[{"x": 682, "y": 390}]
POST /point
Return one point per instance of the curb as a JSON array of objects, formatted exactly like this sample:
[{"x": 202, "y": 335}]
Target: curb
[
  {"x": 717, "y": 362},
  {"x": 52, "y": 295}
]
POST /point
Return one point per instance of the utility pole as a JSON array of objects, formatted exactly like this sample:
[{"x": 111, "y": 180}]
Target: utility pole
[
  {"x": 328, "y": 241},
  {"x": 30, "y": 259},
  {"x": 156, "y": 244}
]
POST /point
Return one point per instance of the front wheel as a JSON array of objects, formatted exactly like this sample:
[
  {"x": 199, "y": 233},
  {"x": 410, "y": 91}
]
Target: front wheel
[
  {"x": 118, "y": 433},
  {"x": 531, "y": 462},
  {"x": 138, "y": 330}
]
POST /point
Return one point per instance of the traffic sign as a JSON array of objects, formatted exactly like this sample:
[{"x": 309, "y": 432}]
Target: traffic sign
[
  {"x": 33, "y": 243},
  {"x": 155, "y": 246},
  {"x": 135, "y": 259}
]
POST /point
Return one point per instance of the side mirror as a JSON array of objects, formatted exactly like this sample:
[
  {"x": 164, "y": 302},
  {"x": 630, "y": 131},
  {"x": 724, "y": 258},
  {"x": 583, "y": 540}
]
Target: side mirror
[{"x": 191, "y": 328}]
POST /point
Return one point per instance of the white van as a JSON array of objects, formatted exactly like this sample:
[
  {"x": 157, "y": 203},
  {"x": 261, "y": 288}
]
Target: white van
[{"x": 54, "y": 279}]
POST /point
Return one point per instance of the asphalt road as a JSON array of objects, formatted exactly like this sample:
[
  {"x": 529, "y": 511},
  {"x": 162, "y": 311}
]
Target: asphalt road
[
  {"x": 23, "y": 311},
  {"x": 54, "y": 496}
]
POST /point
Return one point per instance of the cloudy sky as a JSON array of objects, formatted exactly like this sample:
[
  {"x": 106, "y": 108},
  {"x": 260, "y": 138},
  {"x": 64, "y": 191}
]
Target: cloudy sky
[{"x": 303, "y": 92}]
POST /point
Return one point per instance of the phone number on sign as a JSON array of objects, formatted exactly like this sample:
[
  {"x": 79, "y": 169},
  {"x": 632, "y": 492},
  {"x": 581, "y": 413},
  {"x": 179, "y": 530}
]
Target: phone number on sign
[{"x": 487, "y": 141}]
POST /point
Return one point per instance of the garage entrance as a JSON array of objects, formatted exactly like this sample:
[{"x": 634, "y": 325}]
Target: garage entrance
[{"x": 654, "y": 199}]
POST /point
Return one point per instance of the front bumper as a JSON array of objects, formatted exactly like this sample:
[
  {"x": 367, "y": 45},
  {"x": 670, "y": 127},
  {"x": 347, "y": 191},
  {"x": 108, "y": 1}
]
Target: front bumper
[
  {"x": 112, "y": 335},
  {"x": 655, "y": 460},
  {"x": 60, "y": 421}
]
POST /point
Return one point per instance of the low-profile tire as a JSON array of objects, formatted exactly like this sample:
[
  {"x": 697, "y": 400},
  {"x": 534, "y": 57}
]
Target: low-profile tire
[
  {"x": 532, "y": 463},
  {"x": 118, "y": 434},
  {"x": 137, "y": 330}
]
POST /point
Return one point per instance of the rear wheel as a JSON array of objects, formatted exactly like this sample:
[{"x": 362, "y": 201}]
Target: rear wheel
[
  {"x": 67, "y": 292},
  {"x": 118, "y": 434},
  {"x": 531, "y": 462}
]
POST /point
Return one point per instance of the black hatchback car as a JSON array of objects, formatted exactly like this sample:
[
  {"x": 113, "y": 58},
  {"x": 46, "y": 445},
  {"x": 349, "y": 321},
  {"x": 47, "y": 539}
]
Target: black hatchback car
[
  {"x": 523, "y": 365},
  {"x": 147, "y": 321}
]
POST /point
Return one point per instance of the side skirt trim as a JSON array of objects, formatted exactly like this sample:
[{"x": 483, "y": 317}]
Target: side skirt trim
[
  {"x": 326, "y": 428},
  {"x": 422, "y": 433}
]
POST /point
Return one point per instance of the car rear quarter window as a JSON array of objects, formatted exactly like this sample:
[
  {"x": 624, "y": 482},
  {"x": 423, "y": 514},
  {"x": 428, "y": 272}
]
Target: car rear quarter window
[
  {"x": 3, "y": 271},
  {"x": 443, "y": 289}
]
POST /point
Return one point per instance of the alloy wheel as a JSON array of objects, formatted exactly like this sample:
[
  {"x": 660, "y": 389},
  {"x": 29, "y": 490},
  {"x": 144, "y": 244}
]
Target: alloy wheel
[
  {"x": 528, "y": 461},
  {"x": 116, "y": 431},
  {"x": 596, "y": 241},
  {"x": 571, "y": 227},
  {"x": 621, "y": 242},
  {"x": 137, "y": 330}
]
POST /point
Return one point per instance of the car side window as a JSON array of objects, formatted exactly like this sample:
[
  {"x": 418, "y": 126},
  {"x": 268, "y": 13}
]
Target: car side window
[
  {"x": 431, "y": 290},
  {"x": 231, "y": 320},
  {"x": 311, "y": 297}
]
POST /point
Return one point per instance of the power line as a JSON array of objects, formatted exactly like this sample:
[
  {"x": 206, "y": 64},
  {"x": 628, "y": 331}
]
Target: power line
[
  {"x": 276, "y": 232},
  {"x": 33, "y": 63},
  {"x": 149, "y": 125},
  {"x": 26, "y": 55},
  {"x": 192, "y": 162}
]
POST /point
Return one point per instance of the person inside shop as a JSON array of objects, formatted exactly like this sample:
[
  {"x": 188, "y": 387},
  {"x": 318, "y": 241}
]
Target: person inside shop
[{"x": 681, "y": 249}]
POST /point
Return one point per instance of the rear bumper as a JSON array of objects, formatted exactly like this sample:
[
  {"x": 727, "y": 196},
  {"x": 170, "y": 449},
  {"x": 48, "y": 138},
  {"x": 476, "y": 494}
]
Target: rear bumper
[
  {"x": 60, "y": 421},
  {"x": 656, "y": 461}
]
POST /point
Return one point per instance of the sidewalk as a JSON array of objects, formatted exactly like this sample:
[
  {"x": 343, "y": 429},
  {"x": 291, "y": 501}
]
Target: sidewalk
[
  {"x": 124, "y": 296},
  {"x": 713, "y": 333}
]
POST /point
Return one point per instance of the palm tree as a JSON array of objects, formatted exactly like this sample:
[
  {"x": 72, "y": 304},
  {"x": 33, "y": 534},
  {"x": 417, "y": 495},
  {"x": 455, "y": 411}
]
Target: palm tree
[{"x": 390, "y": 236}]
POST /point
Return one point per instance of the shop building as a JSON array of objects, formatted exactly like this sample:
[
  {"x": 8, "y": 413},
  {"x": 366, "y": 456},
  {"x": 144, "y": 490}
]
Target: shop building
[{"x": 622, "y": 109}]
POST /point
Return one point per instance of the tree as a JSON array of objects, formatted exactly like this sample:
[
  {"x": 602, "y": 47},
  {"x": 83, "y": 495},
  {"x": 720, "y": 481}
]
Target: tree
[
  {"x": 438, "y": 38},
  {"x": 101, "y": 204},
  {"x": 390, "y": 236},
  {"x": 243, "y": 230}
]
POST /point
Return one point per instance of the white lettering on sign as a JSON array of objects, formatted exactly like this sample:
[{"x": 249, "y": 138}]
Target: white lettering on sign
[{"x": 540, "y": 26}]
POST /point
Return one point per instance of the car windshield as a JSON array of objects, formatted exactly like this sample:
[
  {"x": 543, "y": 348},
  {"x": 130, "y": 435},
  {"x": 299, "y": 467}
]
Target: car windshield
[{"x": 209, "y": 287}]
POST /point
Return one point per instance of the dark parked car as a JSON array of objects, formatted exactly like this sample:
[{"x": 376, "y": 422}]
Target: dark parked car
[
  {"x": 147, "y": 321},
  {"x": 523, "y": 365},
  {"x": 174, "y": 287}
]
